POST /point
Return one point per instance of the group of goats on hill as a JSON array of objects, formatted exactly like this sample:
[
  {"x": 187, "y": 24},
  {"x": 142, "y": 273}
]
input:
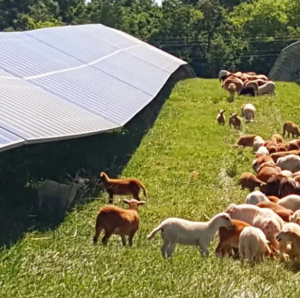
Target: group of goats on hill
[
  {"x": 267, "y": 224},
  {"x": 246, "y": 83}
]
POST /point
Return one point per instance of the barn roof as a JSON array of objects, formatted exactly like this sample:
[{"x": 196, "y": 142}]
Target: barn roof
[
  {"x": 66, "y": 82},
  {"x": 287, "y": 65}
]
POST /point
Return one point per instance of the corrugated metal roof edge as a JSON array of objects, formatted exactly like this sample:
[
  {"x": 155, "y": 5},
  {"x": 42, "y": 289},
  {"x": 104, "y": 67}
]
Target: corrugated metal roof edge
[{"x": 68, "y": 137}]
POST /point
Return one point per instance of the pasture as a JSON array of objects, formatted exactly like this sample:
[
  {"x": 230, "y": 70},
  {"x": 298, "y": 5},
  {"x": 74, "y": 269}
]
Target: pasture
[{"x": 190, "y": 169}]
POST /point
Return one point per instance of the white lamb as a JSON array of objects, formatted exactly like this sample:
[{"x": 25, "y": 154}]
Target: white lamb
[
  {"x": 256, "y": 197},
  {"x": 263, "y": 218},
  {"x": 268, "y": 88},
  {"x": 289, "y": 162},
  {"x": 248, "y": 111},
  {"x": 177, "y": 230},
  {"x": 258, "y": 142},
  {"x": 290, "y": 202},
  {"x": 295, "y": 217},
  {"x": 253, "y": 244},
  {"x": 262, "y": 150}
]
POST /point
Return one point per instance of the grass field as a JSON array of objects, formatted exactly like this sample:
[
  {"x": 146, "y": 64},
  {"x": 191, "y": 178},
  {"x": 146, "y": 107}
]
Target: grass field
[{"x": 185, "y": 139}]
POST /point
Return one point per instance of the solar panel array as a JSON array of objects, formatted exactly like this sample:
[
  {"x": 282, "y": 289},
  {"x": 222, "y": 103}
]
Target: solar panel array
[{"x": 66, "y": 82}]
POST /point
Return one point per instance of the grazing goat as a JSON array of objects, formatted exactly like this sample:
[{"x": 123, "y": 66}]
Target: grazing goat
[
  {"x": 232, "y": 90},
  {"x": 53, "y": 193},
  {"x": 118, "y": 221},
  {"x": 248, "y": 180},
  {"x": 257, "y": 142},
  {"x": 291, "y": 128},
  {"x": 262, "y": 150},
  {"x": 289, "y": 241},
  {"x": 268, "y": 88},
  {"x": 128, "y": 186},
  {"x": 276, "y": 137},
  {"x": 295, "y": 217},
  {"x": 253, "y": 244},
  {"x": 247, "y": 90},
  {"x": 290, "y": 162},
  {"x": 255, "y": 197},
  {"x": 229, "y": 239},
  {"x": 283, "y": 212},
  {"x": 245, "y": 141},
  {"x": 221, "y": 117},
  {"x": 291, "y": 202},
  {"x": 235, "y": 121},
  {"x": 248, "y": 111},
  {"x": 265, "y": 219},
  {"x": 223, "y": 75},
  {"x": 177, "y": 230}
]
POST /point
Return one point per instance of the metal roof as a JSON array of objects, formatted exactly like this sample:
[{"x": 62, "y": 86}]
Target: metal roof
[
  {"x": 65, "y": 82},
  {"x": 287, "y": 65}
]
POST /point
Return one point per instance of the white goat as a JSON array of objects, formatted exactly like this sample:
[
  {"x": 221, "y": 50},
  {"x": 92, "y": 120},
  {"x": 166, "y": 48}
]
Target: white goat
[
  {"x": 51, "y": 192},
  {"x": 256, "y": 197},
  {"x": 268, "y": 88},
  {"x": 177, "y": 230},
  {"x": 253, "y": 244},
  {"x": 248, "y": 111},
  {"x": 258, "y": 142}
]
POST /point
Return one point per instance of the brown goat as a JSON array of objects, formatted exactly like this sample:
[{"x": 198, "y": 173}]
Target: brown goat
[
  {"x": 128, "y": 186},
  {"x": 245, "y": 141},
  {"x": 291, "y": 128},
  {"x": 248, "y": 180},
  {"x": 283, "y": 212},
  {"x": 221, "y": 117},
  {"x": 273, "y": 199},
  {"x": 235, "y": 120},
  {"x": 118, "y": 221},
  {"x": 229, "y": 239}
]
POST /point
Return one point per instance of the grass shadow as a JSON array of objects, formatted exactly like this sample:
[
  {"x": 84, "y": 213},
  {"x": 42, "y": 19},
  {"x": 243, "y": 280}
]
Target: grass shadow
[{"x": 103, "y": 152}]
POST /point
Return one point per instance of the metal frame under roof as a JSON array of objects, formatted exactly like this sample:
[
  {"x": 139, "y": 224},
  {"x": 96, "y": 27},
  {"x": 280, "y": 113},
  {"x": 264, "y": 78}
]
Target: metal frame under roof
[{"x": 66, "y": 82}]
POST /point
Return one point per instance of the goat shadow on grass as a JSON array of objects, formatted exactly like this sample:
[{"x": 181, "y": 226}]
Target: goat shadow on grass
[{"x": 29, "y": 164}]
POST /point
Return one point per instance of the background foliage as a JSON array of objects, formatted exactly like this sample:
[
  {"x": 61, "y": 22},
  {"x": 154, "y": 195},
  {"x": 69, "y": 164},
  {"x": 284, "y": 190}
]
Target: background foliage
[{"x": 209, "y": 34}]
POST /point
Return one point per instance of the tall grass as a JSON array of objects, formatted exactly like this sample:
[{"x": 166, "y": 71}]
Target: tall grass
[{"x": 191, "y": 170}]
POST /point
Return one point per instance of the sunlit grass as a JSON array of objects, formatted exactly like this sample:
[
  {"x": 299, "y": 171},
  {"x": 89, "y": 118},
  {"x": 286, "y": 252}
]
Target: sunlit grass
[{"x": 190, "y": 170}]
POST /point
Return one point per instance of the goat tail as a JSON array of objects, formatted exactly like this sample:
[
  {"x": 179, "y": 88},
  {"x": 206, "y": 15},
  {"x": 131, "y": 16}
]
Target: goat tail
[
  {"x": 144, "y": 189},
  {"x": 151, "y": 235},
  {"x": 98, "y": 229},
  {"x": 104, "y": 175}
]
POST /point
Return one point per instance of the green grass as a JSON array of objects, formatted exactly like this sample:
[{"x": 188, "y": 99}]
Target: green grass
[{"x": 185, "y": 138}]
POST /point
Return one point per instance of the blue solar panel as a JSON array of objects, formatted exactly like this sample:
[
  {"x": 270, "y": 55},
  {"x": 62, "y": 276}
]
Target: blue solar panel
[
  {"x": 9, "y": 140},
  {"x": 23, "y": 56},
  {"x": 71, "y": 81}
]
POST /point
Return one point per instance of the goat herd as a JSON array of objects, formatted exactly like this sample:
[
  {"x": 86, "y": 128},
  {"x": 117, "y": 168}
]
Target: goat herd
[{"x": 268, "y": 224}]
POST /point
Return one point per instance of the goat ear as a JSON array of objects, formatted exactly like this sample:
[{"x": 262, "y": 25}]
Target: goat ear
[
  {"x": 126, "y": 201},
  {"x": 141, "y": 203}
]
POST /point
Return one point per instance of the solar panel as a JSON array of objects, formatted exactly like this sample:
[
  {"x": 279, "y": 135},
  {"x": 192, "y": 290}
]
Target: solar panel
[
  {"x": 65, "y": 82},
  {"x": 9, "y": 140}
]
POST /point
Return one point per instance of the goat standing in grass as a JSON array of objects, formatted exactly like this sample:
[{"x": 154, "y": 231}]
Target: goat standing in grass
[
  {"x": 118, "y": 221},
  {"x": 121, "y": 186},
  {"x": 177, "y": 230},
  {"x": 52, "y": 193},
  {"x": 221, "y": 117}
]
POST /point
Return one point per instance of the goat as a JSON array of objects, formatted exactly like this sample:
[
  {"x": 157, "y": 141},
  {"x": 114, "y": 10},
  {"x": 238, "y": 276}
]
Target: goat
[
  {"x": 51, "y": 192},
  {"x": 128, "y": 186},
  {"x": 118, "y": 221},
  {"x": 221, "y": 117},
  {"x": 177, "y": 230}
]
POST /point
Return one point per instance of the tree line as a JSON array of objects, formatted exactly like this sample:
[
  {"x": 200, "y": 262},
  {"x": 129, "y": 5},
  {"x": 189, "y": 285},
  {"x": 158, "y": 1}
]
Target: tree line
[{"x": 244, "y": 35}]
